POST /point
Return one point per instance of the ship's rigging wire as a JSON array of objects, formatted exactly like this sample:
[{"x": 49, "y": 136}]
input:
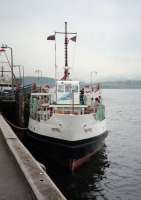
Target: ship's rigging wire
[
  {"x": 73, "y": 57},
  {"x": 7, "y": 59}
]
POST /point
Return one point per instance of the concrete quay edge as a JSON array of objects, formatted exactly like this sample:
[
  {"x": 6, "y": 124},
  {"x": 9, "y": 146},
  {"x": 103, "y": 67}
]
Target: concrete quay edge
[{"x": 41, "y": 184}]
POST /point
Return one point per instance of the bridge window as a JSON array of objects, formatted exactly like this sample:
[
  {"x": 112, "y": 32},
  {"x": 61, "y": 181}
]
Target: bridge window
[
  {"x": 68, "y": 88},
  {"x": 75, "y": 88},
  {"x": 61, "y": 88}
]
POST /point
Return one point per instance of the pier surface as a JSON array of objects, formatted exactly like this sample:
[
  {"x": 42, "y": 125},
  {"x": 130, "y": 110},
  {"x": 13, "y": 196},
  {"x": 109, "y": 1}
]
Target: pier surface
[
  {"x": 21, "y": 176},
  {"x": 13, "y": 184}
]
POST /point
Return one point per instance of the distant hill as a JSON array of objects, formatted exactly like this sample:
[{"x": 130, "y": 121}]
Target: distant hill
[
  {"x": 127, "y": 84},
  {"x": 39, "y": 81}
]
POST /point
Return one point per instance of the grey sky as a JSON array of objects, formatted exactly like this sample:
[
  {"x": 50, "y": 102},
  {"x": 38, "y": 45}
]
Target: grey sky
[{"x": 108, "y": 42}]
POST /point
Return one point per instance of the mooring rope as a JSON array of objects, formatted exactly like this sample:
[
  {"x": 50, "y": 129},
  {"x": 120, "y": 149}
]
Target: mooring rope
[{"x": 15, "y": 126}]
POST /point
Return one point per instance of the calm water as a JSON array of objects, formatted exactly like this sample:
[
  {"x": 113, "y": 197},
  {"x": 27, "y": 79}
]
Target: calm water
[{"x": 115, "y": 172}]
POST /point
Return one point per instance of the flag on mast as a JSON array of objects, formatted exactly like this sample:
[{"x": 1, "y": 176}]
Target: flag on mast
[
  {"x": 51, "y": 37},
  {"x": 73, "y": 38},
  {"x": 2, "y": 50}
]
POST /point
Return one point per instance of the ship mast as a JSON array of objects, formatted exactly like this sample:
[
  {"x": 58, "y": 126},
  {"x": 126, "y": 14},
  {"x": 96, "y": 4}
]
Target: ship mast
[
  {"x": 53, "y": 37},
  {"x": 66, "y": 70},
  {"x": 66, "y": 46}
]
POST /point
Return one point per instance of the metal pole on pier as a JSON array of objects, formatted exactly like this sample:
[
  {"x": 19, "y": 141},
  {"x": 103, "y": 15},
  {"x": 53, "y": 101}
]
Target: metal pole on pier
[
  {"x": 12, "y": 66},
  {"x": 23, "y": 76},
  {"x": 4, "y": 46}
]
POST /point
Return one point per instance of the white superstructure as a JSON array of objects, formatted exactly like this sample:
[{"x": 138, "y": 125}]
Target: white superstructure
[{"x": 72, "y": 118}]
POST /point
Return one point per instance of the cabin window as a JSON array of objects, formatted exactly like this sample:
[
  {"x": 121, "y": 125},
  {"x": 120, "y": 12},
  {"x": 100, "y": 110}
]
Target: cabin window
[
  {"x": 68, "y": 88},
  {"x": 46, "y": 99},
  {"x": 75, "y": 88},
  {"x": 41, "y": 117},
  {"x": 61, "y": 88},
  {"x": 45, "y": 117}
]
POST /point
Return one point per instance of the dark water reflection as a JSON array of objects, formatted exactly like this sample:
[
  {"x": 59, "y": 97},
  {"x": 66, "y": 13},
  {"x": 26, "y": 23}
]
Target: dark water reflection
[{"x": 82, "y": 184}]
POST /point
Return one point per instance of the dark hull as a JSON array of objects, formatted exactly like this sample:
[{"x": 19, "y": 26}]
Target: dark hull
[
  {"x": 8, "y": 109},
  {"x": 69, "y": 154}
]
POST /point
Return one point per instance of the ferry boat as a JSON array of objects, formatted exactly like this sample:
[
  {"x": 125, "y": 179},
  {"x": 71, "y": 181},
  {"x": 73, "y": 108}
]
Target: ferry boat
[{"x": 69, "y": 120}]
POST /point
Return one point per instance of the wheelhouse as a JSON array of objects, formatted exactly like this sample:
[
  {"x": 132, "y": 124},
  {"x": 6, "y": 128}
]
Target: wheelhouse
[{"x": 68, "y": 92}]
